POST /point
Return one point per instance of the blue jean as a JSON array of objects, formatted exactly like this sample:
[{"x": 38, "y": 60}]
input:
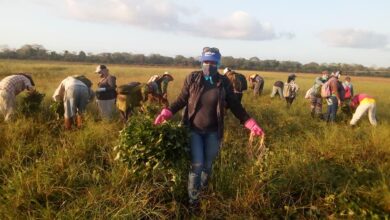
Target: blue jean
[
  {"x": 332, "y": 108},
  {"x": 76, "y": 100},
  {"x": 204, "y": 149}
]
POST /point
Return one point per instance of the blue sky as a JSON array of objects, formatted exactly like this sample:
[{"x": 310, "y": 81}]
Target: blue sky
[{"x": 339, "y": 31}]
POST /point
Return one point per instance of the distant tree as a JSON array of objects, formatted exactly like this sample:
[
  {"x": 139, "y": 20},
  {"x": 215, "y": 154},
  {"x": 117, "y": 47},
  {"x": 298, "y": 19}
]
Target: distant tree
[
  {"x": 254, "y": 59},
  {"x": 138, "y": 59},
  {"x": 312, "y": 67},
  {"x": 181, "y": 60},
  {"x": 36, "y": 51},
  {"x": 228, "y": 62},
  {"x": 82, "y": 56},
  {"x": 31, "y": 51}
]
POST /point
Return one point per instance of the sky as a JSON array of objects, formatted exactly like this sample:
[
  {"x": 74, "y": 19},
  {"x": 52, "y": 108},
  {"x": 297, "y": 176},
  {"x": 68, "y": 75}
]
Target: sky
[{"x": 332, "y": 31}]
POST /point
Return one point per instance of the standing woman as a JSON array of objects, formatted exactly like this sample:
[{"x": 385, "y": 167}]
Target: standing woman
[
  {"x": 106, "y": 93},
  {"x": 205, "y": 94}
]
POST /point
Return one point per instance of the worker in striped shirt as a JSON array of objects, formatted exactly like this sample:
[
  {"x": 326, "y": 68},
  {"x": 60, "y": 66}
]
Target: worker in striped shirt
[{"x": 10, "y": 87}]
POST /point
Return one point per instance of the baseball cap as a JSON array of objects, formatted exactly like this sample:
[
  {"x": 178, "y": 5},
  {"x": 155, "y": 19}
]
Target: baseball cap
[
  {"x": 100, "y": 68},
  {"x": 211, "y": 54}
]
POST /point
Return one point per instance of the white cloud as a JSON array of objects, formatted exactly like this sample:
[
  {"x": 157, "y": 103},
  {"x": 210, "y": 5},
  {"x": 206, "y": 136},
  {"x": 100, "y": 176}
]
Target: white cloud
[
  {"x": 152, "y": 14},
  {"x": 166, "y": 15},
  {"x": 239, "y": 25},
  {"x": 353, "y": 38}
]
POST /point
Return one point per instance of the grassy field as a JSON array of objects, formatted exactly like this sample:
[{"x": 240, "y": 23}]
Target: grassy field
[{"x": 310, "y": 170}]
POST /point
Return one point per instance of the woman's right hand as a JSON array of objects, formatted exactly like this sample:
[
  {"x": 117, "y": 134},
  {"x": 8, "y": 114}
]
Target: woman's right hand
[{"x": 163, "y": 116}]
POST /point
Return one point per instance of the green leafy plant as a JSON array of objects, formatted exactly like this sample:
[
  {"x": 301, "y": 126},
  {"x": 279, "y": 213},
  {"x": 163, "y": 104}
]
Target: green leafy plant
[
  {"x": 57, "y": 108},
  {"x": 31, "y": 103},
  {"x": 159, "y": 152}
]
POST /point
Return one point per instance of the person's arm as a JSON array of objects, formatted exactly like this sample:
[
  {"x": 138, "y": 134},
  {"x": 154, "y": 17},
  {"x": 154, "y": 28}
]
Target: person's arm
[
  {"x": 235, "y": 106},
  {"x": 354, "y": 102},
  {"x": 28, "y": 84},
  {"x": 91, "y": 94},
  {"x": 182, "y": 99},
  {"x": 180, "y": 102},
  {"x": 58, "y": 95},
  {"x": 240, "y": 113},
  {"x": 111, "y": 81}
]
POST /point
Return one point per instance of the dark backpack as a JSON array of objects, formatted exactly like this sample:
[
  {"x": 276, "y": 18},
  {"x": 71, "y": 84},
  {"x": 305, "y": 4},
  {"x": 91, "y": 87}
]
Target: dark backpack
[
  {"x": 341, "y": 90},
  {"x": 84, "y": 79},
  {"x": 244, "y": 83},
  {"x": 238, "y": 81},
  {"x": 128, "y": 88}
]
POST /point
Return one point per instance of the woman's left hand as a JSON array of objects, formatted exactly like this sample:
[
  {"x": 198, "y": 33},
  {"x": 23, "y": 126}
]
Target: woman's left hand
[{"x": 254, "y": 127}]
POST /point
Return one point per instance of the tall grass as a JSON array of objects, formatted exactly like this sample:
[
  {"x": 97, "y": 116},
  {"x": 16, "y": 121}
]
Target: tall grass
[{"x": 310, "y": 169}]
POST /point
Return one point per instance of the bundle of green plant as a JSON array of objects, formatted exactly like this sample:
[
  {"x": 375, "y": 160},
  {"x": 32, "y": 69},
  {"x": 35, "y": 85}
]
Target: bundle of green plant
[
  {"x": 159, "y": 152},
  {"x": 151, "y": 109},
  {"x": 57, "y": 108},
  {"x": 31, "y": 103}
]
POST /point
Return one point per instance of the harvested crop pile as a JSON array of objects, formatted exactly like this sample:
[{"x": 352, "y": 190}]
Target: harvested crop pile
[
  {"x": 31, "y": 103},
  {"x": 158, "y": 154}
]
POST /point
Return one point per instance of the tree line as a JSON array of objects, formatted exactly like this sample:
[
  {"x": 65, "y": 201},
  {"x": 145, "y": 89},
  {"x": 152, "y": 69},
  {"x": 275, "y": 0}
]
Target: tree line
[{"x": 38, "y": 52}]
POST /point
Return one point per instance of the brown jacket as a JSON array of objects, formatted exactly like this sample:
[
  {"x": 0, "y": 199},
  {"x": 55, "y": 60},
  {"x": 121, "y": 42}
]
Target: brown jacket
[
  {"x": 192, "y": 90},
  {"x": 109, "y": 83}
]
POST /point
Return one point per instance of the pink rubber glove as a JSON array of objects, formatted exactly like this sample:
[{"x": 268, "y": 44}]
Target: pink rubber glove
[
  {"x": 254, "y": 127},
  {"x": 163, "y": 116}
]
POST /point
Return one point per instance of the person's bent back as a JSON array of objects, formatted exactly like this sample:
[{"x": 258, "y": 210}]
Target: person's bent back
[
  {"x": 75, "y": 95},
  {"x": 10, "y": 87}
]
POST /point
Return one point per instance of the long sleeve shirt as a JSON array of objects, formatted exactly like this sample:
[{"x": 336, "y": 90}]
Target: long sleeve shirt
[
  {"x": 15, "y": 84},
  {"x": 361, "y": 98},
  {"x": 109, "y": 83},
  {"x": 65, "y": 84}
]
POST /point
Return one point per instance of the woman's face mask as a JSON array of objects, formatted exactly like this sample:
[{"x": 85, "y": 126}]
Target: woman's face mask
[{"x": 209, "y": 69}]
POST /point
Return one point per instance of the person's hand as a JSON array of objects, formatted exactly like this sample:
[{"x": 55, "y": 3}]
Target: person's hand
[
  {"x": 254, "y": 127},
  {"x": 163, "y": 116},
  {"x": 339, "y": 102}
]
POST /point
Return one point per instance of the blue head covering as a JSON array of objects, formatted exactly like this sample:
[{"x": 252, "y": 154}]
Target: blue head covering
[{"x": 211, "y": 54}]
